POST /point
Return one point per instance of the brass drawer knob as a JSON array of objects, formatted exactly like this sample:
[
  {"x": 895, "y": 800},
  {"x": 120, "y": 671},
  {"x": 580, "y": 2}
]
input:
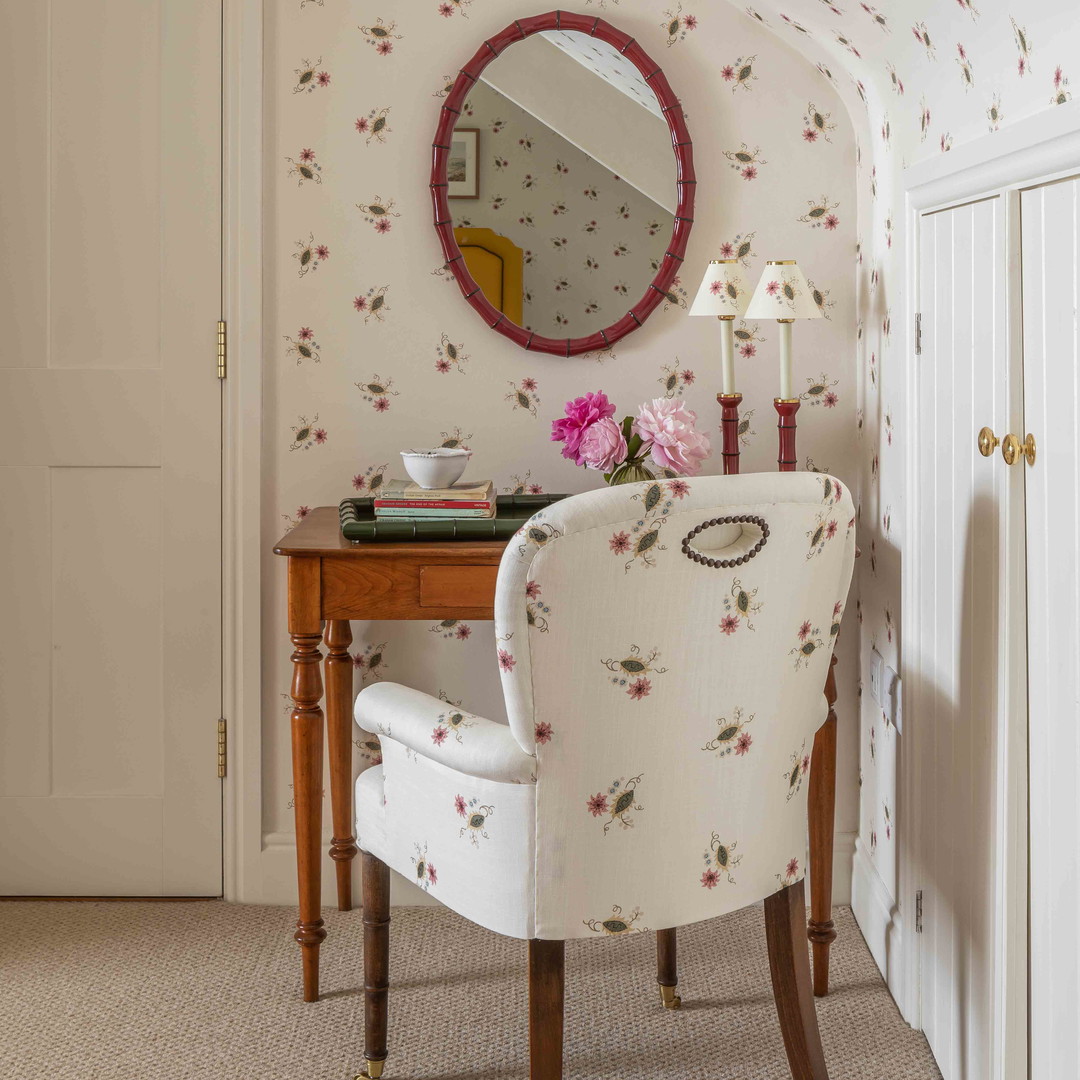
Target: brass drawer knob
[
  {"x": 988, "y": 442},
  {"x": 1012, "y": 449}
]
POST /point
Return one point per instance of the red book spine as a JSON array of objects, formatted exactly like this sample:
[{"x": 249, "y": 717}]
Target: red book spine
[{"x": 433, "y": 504}]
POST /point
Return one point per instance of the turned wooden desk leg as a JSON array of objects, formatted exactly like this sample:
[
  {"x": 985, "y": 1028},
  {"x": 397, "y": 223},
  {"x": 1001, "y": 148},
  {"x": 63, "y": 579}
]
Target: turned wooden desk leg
[
  {"x": 822, "y": 796},
  {"x": 305, "y": 631},
  {"x": 339, "y": 680}
]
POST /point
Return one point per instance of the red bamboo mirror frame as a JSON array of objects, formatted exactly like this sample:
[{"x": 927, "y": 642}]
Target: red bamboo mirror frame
[{"x": 671, "y": 109}]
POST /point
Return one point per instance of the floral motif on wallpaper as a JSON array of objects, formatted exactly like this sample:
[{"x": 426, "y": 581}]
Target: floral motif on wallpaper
[
  {"x": 378, "y": 392},
  {"x": 378, "y": 213},
  {"x": 449, "y": 356},
  {"x": 454, "y": 629},
  {"x": 816, "y": 123},
  {"x": 309, "y": 254},
  {"x": 371, "y": 661},
  {"x": 819, "y": 214},
  {"x": 372, "y": 304},
  {"x": 523, "y": 395},
  {"x": 376, "y": 125},
  {"x": 448, "y": 7},
  {"x": 305, "y": 167},
  {"x": 308, "y": 77},
  {"x": 820, "y": 392},
  {"x": 381, "y": 36},
  {"x": 677, "y": 25},
  {"x": 741, "y": 73},
  {"x": 306, "y": 434},
  {"x": 303, "y": 346},
  {"x": 674, "y": 379},
  {"x": 371, "y": 479}
]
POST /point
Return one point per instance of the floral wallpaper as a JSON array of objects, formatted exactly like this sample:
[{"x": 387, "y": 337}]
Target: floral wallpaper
[
  {"x": 370, "y": 348},
  {"x": 591, "y": 241},
  {"x": 918, "y": 79}
]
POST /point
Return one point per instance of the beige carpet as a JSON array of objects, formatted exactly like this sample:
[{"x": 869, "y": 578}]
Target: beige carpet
[{"x": 211, "y": 991}]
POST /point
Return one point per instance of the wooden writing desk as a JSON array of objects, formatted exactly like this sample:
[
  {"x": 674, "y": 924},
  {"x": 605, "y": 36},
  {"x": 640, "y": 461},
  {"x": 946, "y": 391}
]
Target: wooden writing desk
[{"x": 332, "y": 581}]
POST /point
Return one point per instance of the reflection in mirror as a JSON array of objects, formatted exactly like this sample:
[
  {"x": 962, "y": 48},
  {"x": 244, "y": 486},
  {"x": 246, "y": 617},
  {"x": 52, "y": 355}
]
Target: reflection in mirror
[{"x": 569, "y": 204}]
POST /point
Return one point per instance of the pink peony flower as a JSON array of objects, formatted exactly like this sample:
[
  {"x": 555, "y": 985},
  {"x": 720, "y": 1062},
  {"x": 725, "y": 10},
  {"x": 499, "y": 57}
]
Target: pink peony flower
[
  {"x": 667, "y": 428},
  {"x": 602, "y": 447},
  {"x": 581, "y": 413}
]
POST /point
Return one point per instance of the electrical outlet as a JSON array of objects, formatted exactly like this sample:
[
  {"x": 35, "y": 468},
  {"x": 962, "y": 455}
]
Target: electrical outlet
[
  {"x": 895, "y": 709},
  {"x": 877, "y": 673}
]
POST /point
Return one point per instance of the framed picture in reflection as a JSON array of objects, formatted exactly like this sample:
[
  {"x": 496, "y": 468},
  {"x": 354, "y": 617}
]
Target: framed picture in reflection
[{"x": 462, "y": 172}]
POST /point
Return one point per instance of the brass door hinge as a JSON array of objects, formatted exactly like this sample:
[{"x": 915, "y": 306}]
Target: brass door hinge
[
  {"x": 918, "y": 912},
  {"x": 918, "y": 334},
  {"x": 221, "y": 350},
  {"x": 222, "y": 748}
]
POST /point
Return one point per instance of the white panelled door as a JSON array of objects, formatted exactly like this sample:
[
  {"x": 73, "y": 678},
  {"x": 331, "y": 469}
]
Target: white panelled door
[
  {"x": 954, "y": 644},
  {"x": 110, "y": 612},
  {"x": 1050, "y": 223}
]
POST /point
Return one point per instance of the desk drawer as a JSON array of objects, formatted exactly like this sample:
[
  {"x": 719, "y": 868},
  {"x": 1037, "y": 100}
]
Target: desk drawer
[
  {"x": 457, "y": 586},
  {"x": 407, "y": 588}
]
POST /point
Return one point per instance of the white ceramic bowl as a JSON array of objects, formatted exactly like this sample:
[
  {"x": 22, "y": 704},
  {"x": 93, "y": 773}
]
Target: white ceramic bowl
[{"x": 436, "y": 468}]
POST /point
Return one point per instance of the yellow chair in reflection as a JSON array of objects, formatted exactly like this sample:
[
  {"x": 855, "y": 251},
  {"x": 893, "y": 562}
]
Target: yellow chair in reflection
[{"x": 496, "y": 266}]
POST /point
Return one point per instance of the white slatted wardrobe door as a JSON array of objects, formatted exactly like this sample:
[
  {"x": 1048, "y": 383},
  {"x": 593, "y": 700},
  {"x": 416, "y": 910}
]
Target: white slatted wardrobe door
[
  {"x": 961, "y": 380},
  {"x": 110, "y": 449},
  {"x": 1050, "y": 224}
]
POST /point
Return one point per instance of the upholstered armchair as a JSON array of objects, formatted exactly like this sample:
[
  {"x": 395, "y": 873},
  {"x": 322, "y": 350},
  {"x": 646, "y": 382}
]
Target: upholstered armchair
[{"x": 663, "y": 648}]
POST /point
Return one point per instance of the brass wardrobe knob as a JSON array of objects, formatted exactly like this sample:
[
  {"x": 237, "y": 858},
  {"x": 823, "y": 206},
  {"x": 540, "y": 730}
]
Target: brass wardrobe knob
[{"x": 987, "y": 441}]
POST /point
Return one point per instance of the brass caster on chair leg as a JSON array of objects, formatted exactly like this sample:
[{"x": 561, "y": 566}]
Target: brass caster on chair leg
[
  {"x": 372, "y": 1070},
  {"x": 668, "y": 998}
]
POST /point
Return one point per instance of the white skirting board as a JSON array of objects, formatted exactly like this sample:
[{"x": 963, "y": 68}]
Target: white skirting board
[
  {"x": 279, "y": 875},
  {"x": 881, "y": 924}
]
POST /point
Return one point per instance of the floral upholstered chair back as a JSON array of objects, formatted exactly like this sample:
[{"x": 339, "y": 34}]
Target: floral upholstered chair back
[{"x": 664, "y": 648}]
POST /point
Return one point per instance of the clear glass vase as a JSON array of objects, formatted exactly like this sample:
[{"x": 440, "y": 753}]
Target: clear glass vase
[{"x": 631, "y": 472}]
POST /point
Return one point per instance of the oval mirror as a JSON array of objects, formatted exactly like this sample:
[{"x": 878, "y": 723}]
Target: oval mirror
[{"x": 561, "y": 210}]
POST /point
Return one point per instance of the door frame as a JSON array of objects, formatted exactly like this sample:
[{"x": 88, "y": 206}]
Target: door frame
[
  {"x": 1043, "y": 148},
  {"x": 243, "y": 169}
]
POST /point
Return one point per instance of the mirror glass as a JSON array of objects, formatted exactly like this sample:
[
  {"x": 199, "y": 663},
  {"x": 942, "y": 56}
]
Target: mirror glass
[{"x": 562, "y": 184}]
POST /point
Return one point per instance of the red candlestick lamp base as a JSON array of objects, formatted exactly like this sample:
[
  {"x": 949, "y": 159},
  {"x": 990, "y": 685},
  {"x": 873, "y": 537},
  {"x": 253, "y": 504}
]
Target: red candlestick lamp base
[
  {"x": 786, "y": 408},
  {"x": 729, "y": 425}
]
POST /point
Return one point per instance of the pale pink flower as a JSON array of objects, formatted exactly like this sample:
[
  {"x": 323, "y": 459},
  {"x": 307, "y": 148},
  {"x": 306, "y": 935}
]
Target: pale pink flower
[
  {"x": 772, "y": 288},
  {"x": 597, "y": 804},
  {"x": 307, "y": 154},
  {"x": 602, "y": 447},
  {"x": 304, "y": 333},
  {"x": 804, "y": 630},
  {"x": 639, "y": 688},
  {"x": 459, "y": 805},
  {"x": 532, "y": 589},
  {"x": 384, "y": 48},
  {"x": 362, "y": 124},
  {"x": 678, "y": 488},
  {"x": 742, "y": 743},
  {"x": 809, "y": 135},
  {"x": 620, "y": 543},
  {"x": 830, "y": 400},
  {"x": 729, "y": 624},
  {"x": 792, "y": 867},
  {"x": 506, "y": 660},
  {"x": 360, "y": 303},
  {"x": 542, "y": 733},
  {"x": 322, "y": 252},
  {"x": 323, "y": 78},
  {"x": 432, "y": 873},
  {"x": 666, "y": 427},
  {"x": 749, "y": 173},
  {"x": 710, "y": 879},
  {"x": 438, "y": 736},
  {"x": 462, "y": 632},
  {"x": 383, "y": 226},
  {"x": 727, "y": 73}
]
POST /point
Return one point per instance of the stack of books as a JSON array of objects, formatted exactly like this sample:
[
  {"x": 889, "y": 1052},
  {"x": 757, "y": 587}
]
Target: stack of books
[{"x": 406, "y": 499}]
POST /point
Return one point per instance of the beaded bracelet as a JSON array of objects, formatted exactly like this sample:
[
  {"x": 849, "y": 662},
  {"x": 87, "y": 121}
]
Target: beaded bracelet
[{"x": 731, "y": 519}]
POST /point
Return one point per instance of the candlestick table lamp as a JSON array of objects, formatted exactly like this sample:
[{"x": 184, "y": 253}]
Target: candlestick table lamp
[
  {"x": 784, "y": 295},
  {"x": 723, "y": 293}
]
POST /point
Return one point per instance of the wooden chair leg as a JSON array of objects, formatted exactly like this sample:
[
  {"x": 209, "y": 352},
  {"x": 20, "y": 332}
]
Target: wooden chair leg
[
  {"x": 667, "y": 968},
  {"x": 789, "y": 963},
  {"x": 546, "y": 1009},
  {"x": 376, "y": 899},
  {"x": 822, "y": 808}
]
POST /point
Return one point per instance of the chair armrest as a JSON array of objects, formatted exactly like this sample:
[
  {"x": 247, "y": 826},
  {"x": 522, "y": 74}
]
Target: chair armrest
[{"x": 440, "y": 731}]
